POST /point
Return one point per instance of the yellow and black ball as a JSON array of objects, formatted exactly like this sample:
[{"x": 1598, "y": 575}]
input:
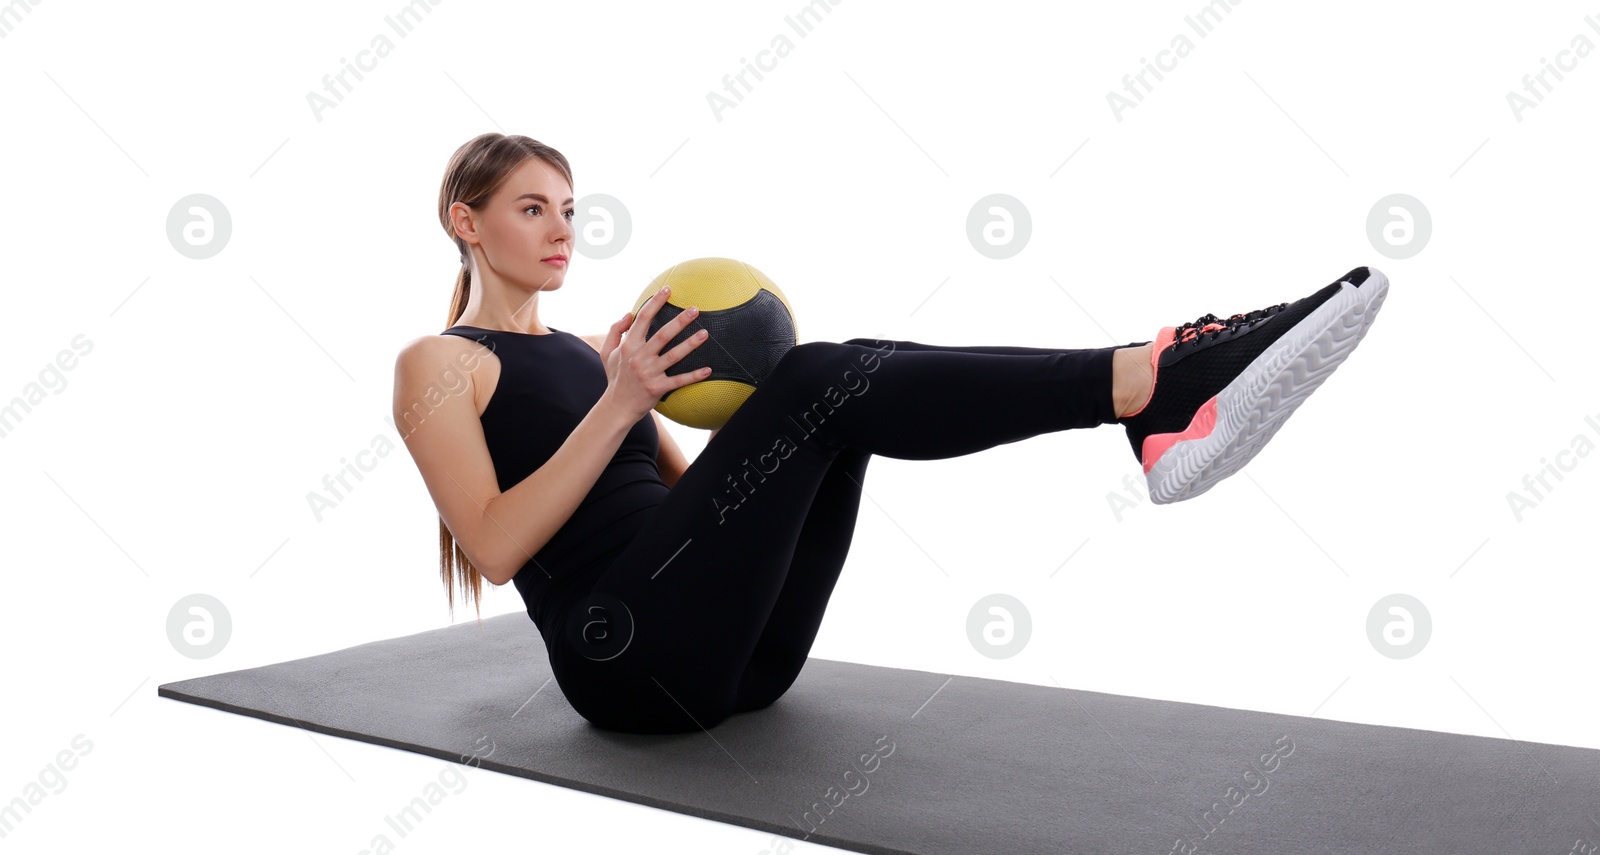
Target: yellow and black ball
[{"x": 750, "y": 324}]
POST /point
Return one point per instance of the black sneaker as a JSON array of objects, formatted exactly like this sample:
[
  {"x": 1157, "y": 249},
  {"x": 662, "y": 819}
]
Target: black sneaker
[{"x": 1223, "y": 386}]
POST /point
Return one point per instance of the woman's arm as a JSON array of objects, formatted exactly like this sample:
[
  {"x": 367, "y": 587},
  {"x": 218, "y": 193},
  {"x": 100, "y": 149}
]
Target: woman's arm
[{"x": 498, "y": 531}]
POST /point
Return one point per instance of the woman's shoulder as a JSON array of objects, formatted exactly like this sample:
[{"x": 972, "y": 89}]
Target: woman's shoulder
[
  {"x": 429, "y": 362},
  {"x": 437, "y": 343},
  {"x": 450, "y": 344}
]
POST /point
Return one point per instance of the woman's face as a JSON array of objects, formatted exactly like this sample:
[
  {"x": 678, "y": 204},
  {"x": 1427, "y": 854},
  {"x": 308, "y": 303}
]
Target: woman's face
[{"x": 525, "y": 231}]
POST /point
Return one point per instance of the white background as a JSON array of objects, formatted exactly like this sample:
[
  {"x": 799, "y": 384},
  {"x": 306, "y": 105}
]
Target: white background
[{"x": 177, "y": 455}]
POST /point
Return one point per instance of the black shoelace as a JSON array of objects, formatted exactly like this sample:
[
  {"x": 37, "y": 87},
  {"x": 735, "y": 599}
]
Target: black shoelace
[{"x": 1211, "y": 326}]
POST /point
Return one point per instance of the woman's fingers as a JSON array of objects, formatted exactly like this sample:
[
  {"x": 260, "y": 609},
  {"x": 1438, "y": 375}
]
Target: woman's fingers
[
  {"x": 670, "y": 330},
  {"x": 647, "y": 314},
  {"x": 645, "y": 367},
  {"x": 694, "y": 376},
  {"x": 614, "y": 335},
  {"x": 675, "y": 355}
]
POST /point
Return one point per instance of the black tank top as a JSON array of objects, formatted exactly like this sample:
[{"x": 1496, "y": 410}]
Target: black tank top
[{"x": 548, "y": 383}]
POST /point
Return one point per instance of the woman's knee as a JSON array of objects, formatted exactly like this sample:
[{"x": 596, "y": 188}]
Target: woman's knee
[
  {"x": 823, "y": 358},
  {"x": 806, "y": 359},
  {"x": 882, "y": 345}
]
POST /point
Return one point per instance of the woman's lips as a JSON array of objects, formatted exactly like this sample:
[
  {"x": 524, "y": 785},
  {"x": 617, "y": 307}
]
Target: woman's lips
[{"x": 559, "y": 262}]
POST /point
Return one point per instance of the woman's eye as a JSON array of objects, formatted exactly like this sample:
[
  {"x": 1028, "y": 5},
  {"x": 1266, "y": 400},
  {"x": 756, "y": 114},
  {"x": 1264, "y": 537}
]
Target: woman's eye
[{"x": 569, "y": 213}]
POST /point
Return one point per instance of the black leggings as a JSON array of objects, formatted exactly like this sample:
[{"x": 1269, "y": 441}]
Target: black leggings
[{"x": 712, "y": 608}]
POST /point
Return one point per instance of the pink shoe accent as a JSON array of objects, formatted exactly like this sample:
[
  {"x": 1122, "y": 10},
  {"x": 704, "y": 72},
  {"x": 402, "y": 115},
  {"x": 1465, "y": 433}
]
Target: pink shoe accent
[
  {"x": 1162, "y": 342},
  {"x": 1200, "y": 426}
]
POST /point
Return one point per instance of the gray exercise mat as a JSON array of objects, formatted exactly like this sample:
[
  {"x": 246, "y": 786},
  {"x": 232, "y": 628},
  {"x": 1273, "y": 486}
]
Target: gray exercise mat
[{"x": 887, "y": 760}]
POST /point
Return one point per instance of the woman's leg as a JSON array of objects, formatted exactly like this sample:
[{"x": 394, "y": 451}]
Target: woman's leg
[
  {"x": 819, "y": 557},
  {"x": 1003, "y": 350},
  {"x": 662, "y": 641}
]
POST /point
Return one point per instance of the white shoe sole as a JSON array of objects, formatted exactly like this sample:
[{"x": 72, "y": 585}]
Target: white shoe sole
[{"x": 1252, "y": 407}]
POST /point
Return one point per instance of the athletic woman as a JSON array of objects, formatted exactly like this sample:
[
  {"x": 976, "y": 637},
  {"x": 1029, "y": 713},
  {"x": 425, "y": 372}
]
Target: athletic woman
[{"x": 671, "y": 596}]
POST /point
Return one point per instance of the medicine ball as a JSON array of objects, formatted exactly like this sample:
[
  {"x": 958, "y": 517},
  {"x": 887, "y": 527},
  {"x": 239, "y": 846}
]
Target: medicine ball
[{"x": 750, "y": 325}]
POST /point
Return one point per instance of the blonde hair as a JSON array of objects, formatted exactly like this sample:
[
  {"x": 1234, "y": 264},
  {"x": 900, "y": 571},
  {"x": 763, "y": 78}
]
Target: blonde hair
[{"x": 475, "y": 172}]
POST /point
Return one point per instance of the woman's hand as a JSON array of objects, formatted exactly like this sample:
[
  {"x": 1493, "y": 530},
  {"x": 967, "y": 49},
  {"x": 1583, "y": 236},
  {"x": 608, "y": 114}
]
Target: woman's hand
[{"x": 636, "y": 368}]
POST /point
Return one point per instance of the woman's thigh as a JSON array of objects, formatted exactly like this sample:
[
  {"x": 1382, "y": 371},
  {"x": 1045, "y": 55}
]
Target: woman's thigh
[{"x": 661, "y": 641}]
